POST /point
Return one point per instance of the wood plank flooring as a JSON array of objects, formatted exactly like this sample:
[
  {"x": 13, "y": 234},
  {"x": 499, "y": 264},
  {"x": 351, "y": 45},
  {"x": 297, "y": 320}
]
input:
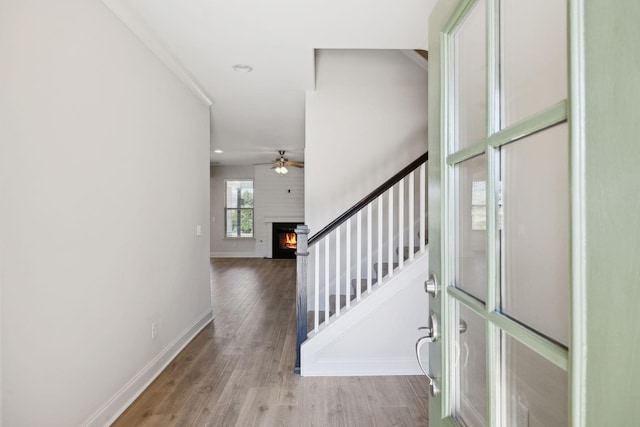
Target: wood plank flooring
[{"x": 239, "y": 370}]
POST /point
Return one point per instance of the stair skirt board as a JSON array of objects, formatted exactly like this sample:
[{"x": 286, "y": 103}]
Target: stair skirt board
[{"x": 377, "y": 335}]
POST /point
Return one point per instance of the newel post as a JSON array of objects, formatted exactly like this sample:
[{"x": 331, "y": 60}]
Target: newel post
[{"x": 302, "y": 256}]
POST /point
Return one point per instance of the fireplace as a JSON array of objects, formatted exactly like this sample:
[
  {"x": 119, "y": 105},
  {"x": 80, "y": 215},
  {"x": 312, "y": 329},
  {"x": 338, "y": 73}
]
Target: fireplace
[{"x": 283, "y": 241}]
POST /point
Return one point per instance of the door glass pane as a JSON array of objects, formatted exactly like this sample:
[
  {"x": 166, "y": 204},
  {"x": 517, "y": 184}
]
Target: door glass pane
[
  {"x": 470, "y": 362},
  {"x": 470, "y": 272},
  {"x": 536, "y": 390},
  {"x": 471, "y": 77},
  {"x": 535, "y": 236},
  {"x": 534, "y": 62}
]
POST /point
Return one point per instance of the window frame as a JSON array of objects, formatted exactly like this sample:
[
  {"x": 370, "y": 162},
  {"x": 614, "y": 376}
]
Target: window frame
[{"x": 239, "y": 210}]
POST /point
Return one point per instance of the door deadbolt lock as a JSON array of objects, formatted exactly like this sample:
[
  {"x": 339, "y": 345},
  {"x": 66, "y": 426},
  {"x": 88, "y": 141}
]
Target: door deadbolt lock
[{"x": 431, "y": 286}]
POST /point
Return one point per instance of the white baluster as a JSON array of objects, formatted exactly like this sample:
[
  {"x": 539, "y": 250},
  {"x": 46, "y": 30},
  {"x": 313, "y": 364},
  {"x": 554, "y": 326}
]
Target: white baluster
[
  {"x": 326, "y": 278},
  {"x": 347, "y": 265},
  {"x": 338, "y": 293},
  {"x": 358, "y": 255},
  {"x": 412, "y": 214},
  {"x": 423, "y": 192},
  {"x": 369, "y": 246},
  {"x": 379, "y": 241},
  {"x": 316, "y": 308},
  {"x": 390, "y": 235},
  {"x": 401, "y": 223}
]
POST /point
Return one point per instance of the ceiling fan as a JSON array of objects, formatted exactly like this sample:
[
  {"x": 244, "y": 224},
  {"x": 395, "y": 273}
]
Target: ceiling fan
[{"x": 280, "y": 165}]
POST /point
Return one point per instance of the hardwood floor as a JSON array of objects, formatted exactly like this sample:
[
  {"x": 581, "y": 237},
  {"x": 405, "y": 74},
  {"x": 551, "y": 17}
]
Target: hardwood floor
[{"x": 239, "y": 370}]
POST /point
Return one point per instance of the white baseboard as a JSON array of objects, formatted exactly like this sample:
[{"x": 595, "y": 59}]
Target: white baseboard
[
  {"x": 363, "y": 368},
  {"x": 235, "y": 255},
  {"x": 120, "y": 401}
]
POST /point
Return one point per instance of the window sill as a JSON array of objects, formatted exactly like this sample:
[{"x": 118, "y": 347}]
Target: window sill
[{"x": 238, "y": 238}]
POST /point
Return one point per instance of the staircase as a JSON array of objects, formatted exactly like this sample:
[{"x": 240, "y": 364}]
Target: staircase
[{"x": 361, "y": 264}]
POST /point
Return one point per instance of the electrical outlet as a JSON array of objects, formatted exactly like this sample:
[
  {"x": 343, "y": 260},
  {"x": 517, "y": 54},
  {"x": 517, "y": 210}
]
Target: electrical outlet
[
  {"x": 154, "y": 330},
  {"x": 198, "y": 230},
  {"x": 522, "y": 414}
]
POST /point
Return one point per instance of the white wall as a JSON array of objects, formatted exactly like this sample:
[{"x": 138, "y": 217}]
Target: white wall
[
  {"x": 366, "y": 120},
  {"x": 219, "y": 245},
  {"x": 103, "y": 179},
  {"x": 277, "y": 198}
]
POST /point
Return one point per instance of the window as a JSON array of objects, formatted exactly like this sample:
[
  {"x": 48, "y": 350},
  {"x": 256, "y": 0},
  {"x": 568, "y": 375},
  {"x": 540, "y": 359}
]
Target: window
[{"x": 238, "y": 208}]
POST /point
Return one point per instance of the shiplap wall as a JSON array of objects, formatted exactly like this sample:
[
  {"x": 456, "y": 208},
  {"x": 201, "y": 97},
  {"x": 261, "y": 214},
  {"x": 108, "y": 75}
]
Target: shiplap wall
[{"x": 277, "y": 198}]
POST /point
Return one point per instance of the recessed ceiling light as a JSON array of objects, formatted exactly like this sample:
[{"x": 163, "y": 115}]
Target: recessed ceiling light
[
  {"x": 242, "y": 68},
  {"x": 218, "y": 151}
]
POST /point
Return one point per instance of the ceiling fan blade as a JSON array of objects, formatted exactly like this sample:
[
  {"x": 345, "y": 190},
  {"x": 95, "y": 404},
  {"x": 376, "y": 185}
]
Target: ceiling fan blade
[{"x": 296, "y": 164}]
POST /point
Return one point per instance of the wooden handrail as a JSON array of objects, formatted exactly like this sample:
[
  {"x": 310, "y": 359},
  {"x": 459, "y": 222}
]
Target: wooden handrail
[{"x": 369, "y": 198}]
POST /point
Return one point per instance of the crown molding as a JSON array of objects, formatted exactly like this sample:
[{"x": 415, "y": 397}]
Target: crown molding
[{"x": 136, "y": 25}]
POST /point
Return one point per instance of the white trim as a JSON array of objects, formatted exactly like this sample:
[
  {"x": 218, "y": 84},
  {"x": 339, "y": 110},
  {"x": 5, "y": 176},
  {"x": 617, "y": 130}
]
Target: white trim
[
  {"x": 235, "y": 255},
  {"x": 121, "y": 400},
  {"x": 417, "y": 58},
  {"x": 271, "y": 219},
  {"x": 577, "y": 122},
  {"x": 136, "y": 25},
  {"x": 364, "y": 368}
]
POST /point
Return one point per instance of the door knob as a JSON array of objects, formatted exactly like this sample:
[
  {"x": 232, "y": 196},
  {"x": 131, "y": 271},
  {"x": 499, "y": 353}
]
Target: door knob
[{"x": 431, "y": 286}]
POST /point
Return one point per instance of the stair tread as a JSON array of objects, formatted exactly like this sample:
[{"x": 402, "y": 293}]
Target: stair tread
[
  {"x": 321, "y": 313},
  {"x": 310, "y": 323},
  {"x": 343, "y": 300},
  {"x": 384, "y": 263},
  {"x": 406, "y": 252},
  {"x": 363, "y": 284},
  {"x": 385, "y": 268}
]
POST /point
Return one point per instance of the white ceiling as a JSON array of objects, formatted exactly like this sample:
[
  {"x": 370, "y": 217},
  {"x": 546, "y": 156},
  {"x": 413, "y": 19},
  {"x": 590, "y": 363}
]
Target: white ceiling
[{"x": 255, "y": 114}]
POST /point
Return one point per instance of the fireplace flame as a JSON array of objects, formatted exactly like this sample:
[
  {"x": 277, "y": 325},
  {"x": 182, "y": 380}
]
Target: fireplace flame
[{"x": 288, "y": 241}]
